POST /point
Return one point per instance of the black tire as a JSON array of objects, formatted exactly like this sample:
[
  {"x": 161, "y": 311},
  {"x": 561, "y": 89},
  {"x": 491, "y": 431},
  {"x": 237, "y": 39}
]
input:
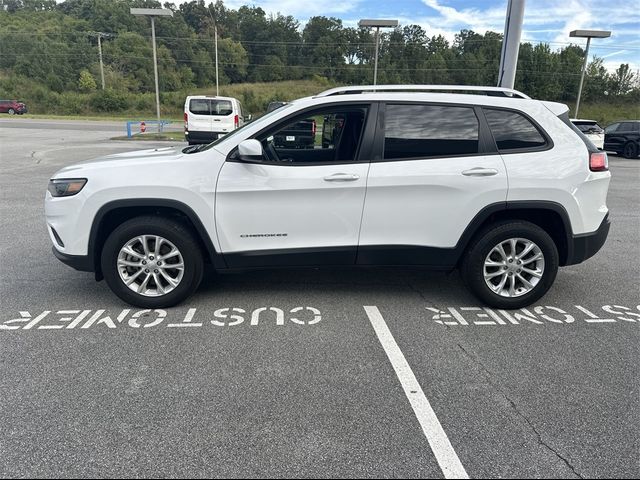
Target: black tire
[
  {"x": 11, "y": 111},
  {"x": 173, "y": 231},
  {"x": 472, "y": 265},
  {"x": 630, "y": 150}
]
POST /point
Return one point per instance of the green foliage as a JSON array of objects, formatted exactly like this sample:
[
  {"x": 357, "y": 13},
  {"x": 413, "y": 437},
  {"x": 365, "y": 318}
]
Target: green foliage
[
  {"x": 86, "y": 82},
  {"x": 49, "y": 57},
  {"x": 109, "y": 101}
]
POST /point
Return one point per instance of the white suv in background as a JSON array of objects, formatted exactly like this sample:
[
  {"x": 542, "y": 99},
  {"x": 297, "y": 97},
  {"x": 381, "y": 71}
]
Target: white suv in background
[
  {"x": 207, "y": 118},
  {"x": 591, "y": 130},
  {"x": 502, "y": 186}
]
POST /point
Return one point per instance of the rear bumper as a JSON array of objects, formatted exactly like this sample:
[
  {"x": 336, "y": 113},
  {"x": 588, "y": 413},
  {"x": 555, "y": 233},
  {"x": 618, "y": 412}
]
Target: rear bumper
[
  {"x": 586, "y": 245},
  {"x": 201, "y": 137},
  {"x": 84, "y": 263}
]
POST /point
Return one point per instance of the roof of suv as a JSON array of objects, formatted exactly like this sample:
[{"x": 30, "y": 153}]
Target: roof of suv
[
  {"x": 400, "y": 95},
  {"x": 357, "y": 89}
]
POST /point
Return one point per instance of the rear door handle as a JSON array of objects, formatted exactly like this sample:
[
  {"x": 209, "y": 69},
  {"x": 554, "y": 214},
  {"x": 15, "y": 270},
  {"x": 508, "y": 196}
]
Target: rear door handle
[
  {"x": 342, "y": 177},
  {"x": 480, "y": 172}
]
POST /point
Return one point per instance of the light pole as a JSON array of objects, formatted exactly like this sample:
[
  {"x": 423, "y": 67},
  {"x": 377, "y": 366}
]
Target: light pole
[
  {"x": 588, "y": 34},
  {"x": 152, "y": 13},
  {"x": 215, "y": 32},
  {"x": 378, "y": 24},
  {"x": 511, "y": 43}
]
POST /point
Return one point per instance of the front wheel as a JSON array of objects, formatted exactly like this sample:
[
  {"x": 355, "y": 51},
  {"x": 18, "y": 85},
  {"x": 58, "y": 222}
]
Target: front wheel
[
  {"x": 12, "y": 111},
  {"x": 152, "y": 262},
  {"x": 511, "y": 264}
]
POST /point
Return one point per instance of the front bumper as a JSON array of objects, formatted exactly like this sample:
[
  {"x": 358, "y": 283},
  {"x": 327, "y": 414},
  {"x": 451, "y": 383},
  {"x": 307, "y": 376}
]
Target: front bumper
[
  {"x": 586, "y": 245},
  {"x": 84, "y": 263}
]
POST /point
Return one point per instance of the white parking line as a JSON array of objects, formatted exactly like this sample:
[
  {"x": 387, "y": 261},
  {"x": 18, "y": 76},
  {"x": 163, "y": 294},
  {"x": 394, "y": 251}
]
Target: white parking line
[{"x": 445, "y": 454}]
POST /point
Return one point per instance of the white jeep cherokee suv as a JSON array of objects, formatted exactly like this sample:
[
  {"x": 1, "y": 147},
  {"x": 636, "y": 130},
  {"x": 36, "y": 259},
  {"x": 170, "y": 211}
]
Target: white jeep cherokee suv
[{"x": 481, "y": 178}]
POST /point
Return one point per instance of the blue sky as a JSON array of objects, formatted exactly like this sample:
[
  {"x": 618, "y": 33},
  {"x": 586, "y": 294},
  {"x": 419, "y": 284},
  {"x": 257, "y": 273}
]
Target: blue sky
[{"x": 544, "y": 20}]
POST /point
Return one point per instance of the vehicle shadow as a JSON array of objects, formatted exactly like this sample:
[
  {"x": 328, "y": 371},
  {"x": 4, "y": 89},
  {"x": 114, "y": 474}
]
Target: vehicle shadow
[{"x": 331, "y": 283}]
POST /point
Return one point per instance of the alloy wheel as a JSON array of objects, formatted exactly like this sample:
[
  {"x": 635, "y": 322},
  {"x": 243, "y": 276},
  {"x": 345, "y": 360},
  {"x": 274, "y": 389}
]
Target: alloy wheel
[
  {"x": 150, "y": 265},
  {"x": 513, "y": 267}
]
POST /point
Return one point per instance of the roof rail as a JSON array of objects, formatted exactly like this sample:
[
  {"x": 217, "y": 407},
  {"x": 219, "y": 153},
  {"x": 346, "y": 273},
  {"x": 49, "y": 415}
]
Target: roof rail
[{"x": 492, "y": 91}]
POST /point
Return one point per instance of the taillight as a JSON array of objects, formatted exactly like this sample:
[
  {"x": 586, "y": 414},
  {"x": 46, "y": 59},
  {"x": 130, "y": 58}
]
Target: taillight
[
  {"x": 598, "y": 162},
  {"x": 313, "y": 129},
  {"x": 236, "y": 121},
  {"x": 186, "y": 122}
]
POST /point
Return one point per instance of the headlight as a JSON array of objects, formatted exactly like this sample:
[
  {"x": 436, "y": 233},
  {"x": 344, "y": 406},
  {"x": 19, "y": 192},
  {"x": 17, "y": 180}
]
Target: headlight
[{"x": 65, "y": 187}]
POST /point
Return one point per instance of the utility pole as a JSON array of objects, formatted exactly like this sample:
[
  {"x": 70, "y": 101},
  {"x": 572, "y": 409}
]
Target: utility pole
[
  {"x": 511, "y": 43},
  {"x": 100, "y": 54},
  {"x": 152, "y": 13},
  {"x": 101, "y": 35}
]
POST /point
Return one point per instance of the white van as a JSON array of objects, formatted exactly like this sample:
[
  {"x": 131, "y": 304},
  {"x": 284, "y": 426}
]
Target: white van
[{"x": 208, "y": 117}]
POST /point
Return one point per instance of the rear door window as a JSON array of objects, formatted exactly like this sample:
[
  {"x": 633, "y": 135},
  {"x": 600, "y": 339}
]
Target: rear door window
[
  {"x": 513, "y": 131},
  {"x": 221, "y": 107},
  {"x": 423, "y": 131},
  {"x": 205, "y": 106},
  {"x": 199, "y": 106}
]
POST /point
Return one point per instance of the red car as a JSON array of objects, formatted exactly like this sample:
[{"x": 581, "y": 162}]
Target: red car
[{"x": 12, "y": 107}]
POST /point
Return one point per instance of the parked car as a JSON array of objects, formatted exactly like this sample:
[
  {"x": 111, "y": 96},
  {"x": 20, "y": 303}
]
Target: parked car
[
  {"x": 591, "y": 130},
  {"x": 623, "y": 138},
  {"x": 275, "y": 105},
  {"x": 12, "y": 107},
  {"x": 207, "y": 118},
  {"x": 501, "y": 186},
  {"x": 301, "y": 134}
]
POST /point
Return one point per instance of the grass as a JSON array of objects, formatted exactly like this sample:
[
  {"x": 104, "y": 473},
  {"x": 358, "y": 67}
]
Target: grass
[
  {"x": 606, "y": 113},
  {"x": 256, "y": 96},
  {"x": 287, "y": 90}
]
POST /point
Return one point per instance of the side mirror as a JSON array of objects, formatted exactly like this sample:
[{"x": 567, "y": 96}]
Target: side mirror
[
  {"x": 250, "y": 150},
  {"x": 247, "y": 118}
]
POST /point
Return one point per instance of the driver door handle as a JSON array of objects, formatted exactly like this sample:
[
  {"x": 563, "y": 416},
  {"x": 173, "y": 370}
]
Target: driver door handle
[
  {"x": 342, "y": 177},
  {"x": 480, "y": 172}
]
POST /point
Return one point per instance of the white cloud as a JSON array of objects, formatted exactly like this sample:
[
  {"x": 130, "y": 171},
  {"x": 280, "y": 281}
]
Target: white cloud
[{"x": 300, "y": 9}]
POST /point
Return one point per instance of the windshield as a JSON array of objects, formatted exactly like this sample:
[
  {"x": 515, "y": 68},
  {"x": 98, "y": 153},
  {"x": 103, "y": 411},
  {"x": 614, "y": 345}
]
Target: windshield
[
  {"x": 264, "y": 118},
  {"x": 588, "y": 127}
]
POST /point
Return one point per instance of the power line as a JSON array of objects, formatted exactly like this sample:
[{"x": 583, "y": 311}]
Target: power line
[{"x": 303, "y": 43}]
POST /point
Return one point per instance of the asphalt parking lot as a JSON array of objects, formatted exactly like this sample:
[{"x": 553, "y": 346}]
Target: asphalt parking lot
[{"x": 286, "y": 373}]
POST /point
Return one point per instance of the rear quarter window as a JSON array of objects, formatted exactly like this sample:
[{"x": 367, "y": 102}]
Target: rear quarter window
[
  {"x": 513, "y": 131},
  {"x": 626, "y": 127}
]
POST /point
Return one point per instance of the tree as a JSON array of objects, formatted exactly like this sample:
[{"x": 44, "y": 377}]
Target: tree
[
  {"x": 597, "y": 81},
  {"x": 622, "y": 81},
  {"x": 86, "y": 82}
]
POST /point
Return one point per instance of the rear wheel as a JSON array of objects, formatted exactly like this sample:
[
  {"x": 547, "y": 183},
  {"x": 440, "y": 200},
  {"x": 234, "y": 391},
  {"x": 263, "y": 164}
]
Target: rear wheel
[
  {"x": 510, "y": 264},
  {"x": 11, "y": 111},
  {"x": 152, "y": 262},
  {"x": 630, "y": 150}
]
